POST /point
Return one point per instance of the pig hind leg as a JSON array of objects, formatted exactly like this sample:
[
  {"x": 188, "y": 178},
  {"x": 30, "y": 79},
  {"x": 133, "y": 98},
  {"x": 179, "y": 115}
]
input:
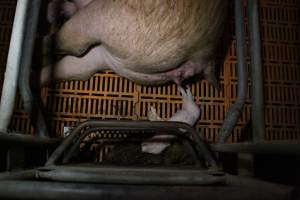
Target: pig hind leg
[
  {"x": 189, "y": 114},
  {"x": 80, "y": 33},
  {"x": 75, "y": 68}
]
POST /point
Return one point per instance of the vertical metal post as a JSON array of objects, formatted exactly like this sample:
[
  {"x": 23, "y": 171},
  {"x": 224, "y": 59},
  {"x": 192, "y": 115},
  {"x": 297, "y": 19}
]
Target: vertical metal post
[
  {"x": 242, "y": 86},
  {"x": 31, "y": 105},
  {"x": 13, "y": 64},
  {"x": 258, "y": 113}
]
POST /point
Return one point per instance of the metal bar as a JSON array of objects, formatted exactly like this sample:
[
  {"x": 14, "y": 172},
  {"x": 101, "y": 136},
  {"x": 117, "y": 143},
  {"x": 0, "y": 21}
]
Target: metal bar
[
  {"x": 274, "y": 148},
  {"x": 140, "y": 176},
  {"x": 54, "y": 190},
  {"x": 20, "y": 175},
  {"x": 13, "y": 64},
  {"x": 31, "y": 105},
  {"x": 186, "y": 141},
  {"x": 183, "y": 127},
  {"x": 236, "y": 110},
  {"x": 258, "y": 112},
  {"x": 28, "y": 140}
]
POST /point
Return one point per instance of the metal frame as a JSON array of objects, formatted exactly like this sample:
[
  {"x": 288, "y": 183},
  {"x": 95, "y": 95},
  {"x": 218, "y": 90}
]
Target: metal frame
[
  {"x": 16, "y": 56},
  {"x": 13, "y": 65},
  {"x": 177, "y": 128},
  {"x": 54, "y": 190},
  {"x": 28, "y": 140},
  {"x": 269, "y": 148},
  {"x": 258, "y": 111},
  {"x": 236, "y": 109},
  {"x": 236, "y": 189},
  {"x": 31, "y": 104}
]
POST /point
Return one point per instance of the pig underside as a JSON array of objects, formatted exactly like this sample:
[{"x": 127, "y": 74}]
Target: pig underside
[{"x": 149, "y": 42}]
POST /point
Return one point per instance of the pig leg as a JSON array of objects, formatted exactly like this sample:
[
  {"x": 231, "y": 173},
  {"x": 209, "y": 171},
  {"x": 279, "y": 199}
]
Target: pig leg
[
  {"x": 190, "y": 111},
  {"x": 75, "y": 68},
  {"x": 152, "y": 115},
  {"x": 80, "y": 32},
  {"x": 189, "y": 114}
]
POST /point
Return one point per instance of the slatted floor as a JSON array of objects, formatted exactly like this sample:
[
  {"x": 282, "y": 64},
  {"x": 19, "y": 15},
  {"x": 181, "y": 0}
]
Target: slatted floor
[{"x": 108, "y": 96}]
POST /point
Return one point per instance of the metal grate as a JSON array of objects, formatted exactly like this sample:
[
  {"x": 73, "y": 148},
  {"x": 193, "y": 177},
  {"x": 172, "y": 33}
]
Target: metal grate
[{"x": 108, "y": 96}]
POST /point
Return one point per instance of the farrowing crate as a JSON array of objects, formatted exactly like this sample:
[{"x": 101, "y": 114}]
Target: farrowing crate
[{"x": 108, "y": 96}]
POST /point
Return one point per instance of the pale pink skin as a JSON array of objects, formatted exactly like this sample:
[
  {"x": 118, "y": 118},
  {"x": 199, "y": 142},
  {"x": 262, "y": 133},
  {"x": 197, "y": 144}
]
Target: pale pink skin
[
  {"x": 189, "y": 114},
  {"x": 99, "y": 59}
]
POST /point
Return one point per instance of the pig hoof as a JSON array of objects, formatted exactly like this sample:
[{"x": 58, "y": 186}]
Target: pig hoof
[
  {"x": 190, "y": 111},
  {"x": 152, "y": 115},
  {"x": 187, "y": 95}
]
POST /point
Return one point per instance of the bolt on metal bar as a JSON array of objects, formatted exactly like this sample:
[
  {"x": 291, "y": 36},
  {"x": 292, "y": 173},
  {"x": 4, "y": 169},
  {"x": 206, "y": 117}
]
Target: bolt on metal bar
[
  {"x": 258, "y": 112},
  {"x": 236, "y": 110}
]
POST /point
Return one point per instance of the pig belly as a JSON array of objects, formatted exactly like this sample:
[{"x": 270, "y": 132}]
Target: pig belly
[{"x": 147, "y": 36}]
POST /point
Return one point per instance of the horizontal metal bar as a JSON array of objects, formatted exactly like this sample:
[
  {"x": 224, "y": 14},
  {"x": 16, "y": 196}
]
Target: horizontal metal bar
[
  {"x": 277, "y": 148},
  {"x": 19, "y": 175},
  {"x": 141, "y": 176},
  {"x": 28, "y": 140},
  {"x": 55, "y": 190}
]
